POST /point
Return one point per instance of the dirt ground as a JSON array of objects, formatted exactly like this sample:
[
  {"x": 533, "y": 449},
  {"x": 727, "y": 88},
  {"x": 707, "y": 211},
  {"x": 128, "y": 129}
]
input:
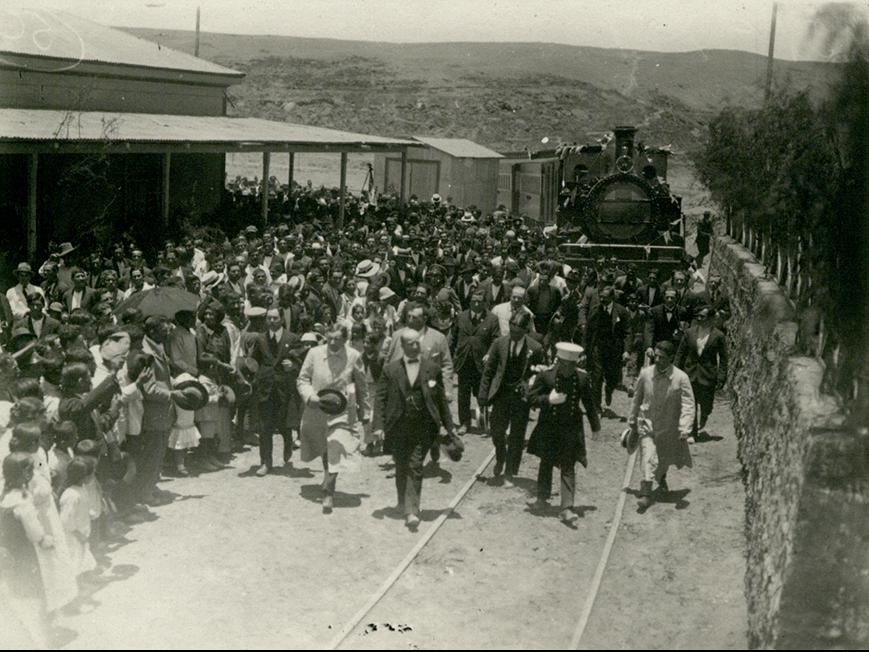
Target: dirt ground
[{"x": 240, "y": 561}]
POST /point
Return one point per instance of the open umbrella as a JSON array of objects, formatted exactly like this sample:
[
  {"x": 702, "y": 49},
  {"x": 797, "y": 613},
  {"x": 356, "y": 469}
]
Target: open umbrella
[{"x": 163, "y": 301}]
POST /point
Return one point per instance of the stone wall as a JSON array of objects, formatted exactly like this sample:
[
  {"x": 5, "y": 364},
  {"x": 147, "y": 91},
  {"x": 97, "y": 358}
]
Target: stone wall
[{"x": 805, "y": 473}]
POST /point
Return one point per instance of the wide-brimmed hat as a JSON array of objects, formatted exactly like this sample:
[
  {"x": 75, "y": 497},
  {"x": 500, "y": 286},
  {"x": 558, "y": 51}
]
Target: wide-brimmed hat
[
  {"x": 367, "y": 269},
  {"x": 332, "y": 401},
  {"x": 24, "y": 268},
  {"x": 65, "y": 248},
  {"x": 385, "y": 293},
  {"x": 248, "y": 367},
  {"x": 469, "y": 268},
  {"x": 190, "y": 394},
  {"x": 454, "y": 447},
  {"x": 629, "y": 440}
]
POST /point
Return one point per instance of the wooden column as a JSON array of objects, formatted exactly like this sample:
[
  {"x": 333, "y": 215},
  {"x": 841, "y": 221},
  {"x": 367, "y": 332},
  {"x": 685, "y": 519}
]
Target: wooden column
[
  {"x": 343, "y": 199},
  {"x": 264, "y": 196},
  {"x": 32, "y": 167},
  {"x": 292, "y": 165},
  {"x": 403, "y": 193},
  {"x": 164, "y": 204}
]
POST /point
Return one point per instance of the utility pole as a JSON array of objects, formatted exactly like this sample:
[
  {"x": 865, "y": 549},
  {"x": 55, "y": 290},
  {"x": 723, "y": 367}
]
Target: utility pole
[
  {"x": 196, "y": 47},
  {"x": 769, "y": 63}
]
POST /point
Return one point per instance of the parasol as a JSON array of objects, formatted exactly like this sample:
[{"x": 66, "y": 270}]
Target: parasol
[{"x": 163, "y": 301}]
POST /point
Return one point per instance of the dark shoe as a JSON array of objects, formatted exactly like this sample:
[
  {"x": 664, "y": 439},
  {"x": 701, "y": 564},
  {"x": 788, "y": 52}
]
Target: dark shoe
[
  {"x": 181, "y": 471},
  {"x": 539, "y": 505},
  {"x": 645, "y": 495},
  {"x": 262, "y": 471},
  {"x": 499, "y": 469}
]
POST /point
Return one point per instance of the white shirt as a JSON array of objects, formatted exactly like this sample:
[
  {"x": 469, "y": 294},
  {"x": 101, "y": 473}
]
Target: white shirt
[
  {"x": 412, "y": 367},
  {"x": 516, "y": 347},
  {"x": 702, "y": 340},
  {"x": 37, "y": 325},
  {"x": 17, "y": 298},
  {"x": 77, "y": 296},
  {"x": 503, "y": 311}
]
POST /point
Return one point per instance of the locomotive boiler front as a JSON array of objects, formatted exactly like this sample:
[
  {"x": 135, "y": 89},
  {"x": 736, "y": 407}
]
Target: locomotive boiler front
[{"x": 615, "y": 203}]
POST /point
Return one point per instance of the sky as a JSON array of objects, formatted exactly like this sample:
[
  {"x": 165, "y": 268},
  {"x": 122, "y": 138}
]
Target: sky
[{"x": 660, "y": 25}]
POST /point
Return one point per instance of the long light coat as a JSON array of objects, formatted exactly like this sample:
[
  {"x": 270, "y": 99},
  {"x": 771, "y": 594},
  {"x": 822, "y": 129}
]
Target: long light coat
[
  {"x": 663, "y": 408},
  {"x": 345, "y": 374}
]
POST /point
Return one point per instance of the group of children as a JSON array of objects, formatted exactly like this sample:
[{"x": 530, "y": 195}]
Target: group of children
[{"x": 51, "y": 509}]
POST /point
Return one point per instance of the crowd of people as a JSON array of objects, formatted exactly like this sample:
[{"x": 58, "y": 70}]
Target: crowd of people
[{"x": 120, "y": 366}]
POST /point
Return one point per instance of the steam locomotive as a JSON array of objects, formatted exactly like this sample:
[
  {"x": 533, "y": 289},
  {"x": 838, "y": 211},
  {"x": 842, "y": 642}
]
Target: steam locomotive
[{"x": 614, "y": 202}]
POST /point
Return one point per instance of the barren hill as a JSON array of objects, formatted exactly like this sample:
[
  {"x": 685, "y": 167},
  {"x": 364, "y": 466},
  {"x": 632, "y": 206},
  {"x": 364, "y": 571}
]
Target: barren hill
[{"x": 504, "y": 95}]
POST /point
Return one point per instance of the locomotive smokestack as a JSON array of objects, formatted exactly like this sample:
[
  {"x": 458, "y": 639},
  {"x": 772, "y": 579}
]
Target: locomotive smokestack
[{"x": 625, "y": 138}]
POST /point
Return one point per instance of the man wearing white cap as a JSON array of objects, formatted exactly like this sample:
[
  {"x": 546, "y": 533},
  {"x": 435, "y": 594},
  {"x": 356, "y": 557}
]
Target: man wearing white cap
[{"x": 559, "y": 438}]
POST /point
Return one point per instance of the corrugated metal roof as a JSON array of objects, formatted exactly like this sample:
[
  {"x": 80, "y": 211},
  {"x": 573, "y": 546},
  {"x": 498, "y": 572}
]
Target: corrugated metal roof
[
  {"x": 87, "y": 126},
  {"x": 59, "y": 35},
  {"x": 459, "y": 147}
]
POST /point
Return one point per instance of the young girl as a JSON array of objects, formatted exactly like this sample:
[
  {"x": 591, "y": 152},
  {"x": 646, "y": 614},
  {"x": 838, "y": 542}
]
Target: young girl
[
  {"x": 55, "y": 565},
  {"x": 184, "y": 435},
  {"x": 75, "y": 514},
  {"x": 21, "y": 536}
]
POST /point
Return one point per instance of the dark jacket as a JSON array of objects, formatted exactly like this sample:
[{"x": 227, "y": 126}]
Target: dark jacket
[
  {"x": 658, "y": 328},
  {"x": 272, "y": 380},
  {"x": 708, "y": 368},
  {"x": 605, "y": 334},
  {"x": 87, "y": 300},
  {"x": 496, "y": 364},
  {"x": 49, "y": 325},
  {"x": 471, "y": 342},
  {"x": 559, "y": 436},
  {"x": 393, "y": 389}
]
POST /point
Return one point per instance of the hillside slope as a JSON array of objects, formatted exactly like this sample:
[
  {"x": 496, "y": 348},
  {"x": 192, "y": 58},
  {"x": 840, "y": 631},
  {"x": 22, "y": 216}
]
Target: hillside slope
[{"x": 507, "y": 96}]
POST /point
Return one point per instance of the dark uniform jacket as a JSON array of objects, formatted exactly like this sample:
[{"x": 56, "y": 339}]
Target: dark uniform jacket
[
  {"x": 472, "y": 341},
  {"x": 559, "y": 436}
]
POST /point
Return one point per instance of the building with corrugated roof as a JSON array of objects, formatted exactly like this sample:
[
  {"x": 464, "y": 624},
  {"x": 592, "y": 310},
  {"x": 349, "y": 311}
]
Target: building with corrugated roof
[
  {"x": 455, "y": 168},
  {"x": 103, "y": 133}
]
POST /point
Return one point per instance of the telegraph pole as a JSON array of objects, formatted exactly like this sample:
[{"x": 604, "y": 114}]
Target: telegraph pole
[
  {"x": 196, "y": 47},
  {"x": 769, "y": 62}
]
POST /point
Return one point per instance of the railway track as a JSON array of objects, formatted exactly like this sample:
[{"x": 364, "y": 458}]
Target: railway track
[{"x": 588, "y": 603}]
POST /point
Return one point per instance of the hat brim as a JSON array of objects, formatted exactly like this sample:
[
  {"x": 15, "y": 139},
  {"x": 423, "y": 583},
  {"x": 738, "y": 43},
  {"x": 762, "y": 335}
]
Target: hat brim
[{"x": 330, "y": 408}]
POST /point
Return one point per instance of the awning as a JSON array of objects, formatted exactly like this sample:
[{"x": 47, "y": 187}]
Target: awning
[{"x": 28, "y": 131}]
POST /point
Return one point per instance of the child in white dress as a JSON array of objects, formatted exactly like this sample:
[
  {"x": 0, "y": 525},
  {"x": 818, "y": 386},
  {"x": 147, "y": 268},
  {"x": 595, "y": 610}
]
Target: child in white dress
[{"x": 75, "y": 515}]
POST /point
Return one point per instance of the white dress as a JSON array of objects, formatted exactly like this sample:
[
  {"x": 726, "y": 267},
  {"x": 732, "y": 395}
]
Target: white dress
[{"x": 76, "y": 519}]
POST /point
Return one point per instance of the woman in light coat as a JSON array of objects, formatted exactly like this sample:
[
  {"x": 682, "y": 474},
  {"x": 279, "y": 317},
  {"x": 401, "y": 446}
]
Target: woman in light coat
[{"x": 333, "y": 438}]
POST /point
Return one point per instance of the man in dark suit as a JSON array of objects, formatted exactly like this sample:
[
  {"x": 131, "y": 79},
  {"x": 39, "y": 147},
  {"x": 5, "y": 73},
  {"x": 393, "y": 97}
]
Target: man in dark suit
[
  {"x": 559, "y": 438},
  {"x": 510, "y": 364},
  {"x": 275, "y": 353},
  {"x": 650, "y": 293},
  {"x": 474, "y": 332},
  {"x": 159, "y": 411},
  {"x": 401, "y": 277},
  {"x": 543, "y": 299},
  {"x": 494, "y": 289},
  {"x": 465, "y": 285},
  {"x": 663, "y": 324},
  {"x": 410, "y": 408},
  {"x": 605, "y": 346},
  {"x": 702, "y": 354},
  {"x": 79, "y": 295},
  {"x": 36, "y": 321}
]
